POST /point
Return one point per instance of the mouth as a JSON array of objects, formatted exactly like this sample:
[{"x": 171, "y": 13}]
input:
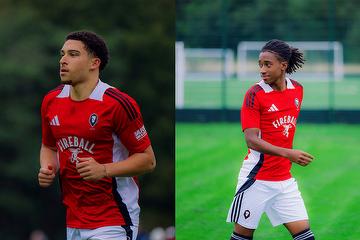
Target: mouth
[
  {"x": 265, "y": 77},
  {"x": 63, "y": 71}
]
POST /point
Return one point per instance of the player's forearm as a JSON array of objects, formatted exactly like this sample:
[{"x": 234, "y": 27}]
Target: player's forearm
[
  {"x": 262, "y": 146},
  {"x": 136, "y": 164},
  {"x": 48, "y": 157}
]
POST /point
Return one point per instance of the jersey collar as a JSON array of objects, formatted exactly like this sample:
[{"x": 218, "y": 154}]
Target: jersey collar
[
  {"x": 97, "y": 93},
  {"x": 266, "y": 87}
]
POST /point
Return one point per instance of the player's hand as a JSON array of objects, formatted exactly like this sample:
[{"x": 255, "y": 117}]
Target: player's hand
[
  {"x": 300, "y": 157},
  {"x": 89, "y": 169},
  {"x": 46, "y": 176}
]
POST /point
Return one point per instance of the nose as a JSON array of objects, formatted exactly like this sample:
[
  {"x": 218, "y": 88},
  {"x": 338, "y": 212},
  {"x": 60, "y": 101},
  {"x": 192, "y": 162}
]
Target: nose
[
  {"x": 262, "y": 69},
  {"x": 62, "y": 60}
]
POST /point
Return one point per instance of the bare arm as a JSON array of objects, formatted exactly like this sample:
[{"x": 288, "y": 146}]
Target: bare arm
[
  {"x": 254, "y": 142},
  {"x": 136, "y": 164},
  {"x": 48, "y": 166}
]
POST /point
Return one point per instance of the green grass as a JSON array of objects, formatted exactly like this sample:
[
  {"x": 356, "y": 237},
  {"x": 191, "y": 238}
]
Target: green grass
[
  {"x": 208, "y": 94},
  {"x": 208, "y": 159}
]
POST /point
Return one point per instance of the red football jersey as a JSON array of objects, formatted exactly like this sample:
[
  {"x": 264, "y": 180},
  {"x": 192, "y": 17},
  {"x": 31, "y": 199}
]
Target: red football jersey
[
  {"x": 275, "y": 113},
  {"x": 108, "y": 127}
]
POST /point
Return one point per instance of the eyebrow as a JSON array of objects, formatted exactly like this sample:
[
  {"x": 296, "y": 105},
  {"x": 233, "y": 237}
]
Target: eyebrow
[
  {"x": 265, "y": 61},
  {"x": 70, "y": 50}
]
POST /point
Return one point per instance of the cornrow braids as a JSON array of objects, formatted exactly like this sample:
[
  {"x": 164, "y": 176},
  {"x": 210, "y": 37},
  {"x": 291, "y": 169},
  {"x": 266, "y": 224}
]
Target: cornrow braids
[{"x": 284, "y": 52}]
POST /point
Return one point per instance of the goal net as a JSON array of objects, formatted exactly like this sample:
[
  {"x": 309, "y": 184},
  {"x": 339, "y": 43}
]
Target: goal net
[{"x": 201, "y": 65}]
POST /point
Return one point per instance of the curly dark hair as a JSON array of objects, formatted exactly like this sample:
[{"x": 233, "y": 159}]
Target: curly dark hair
[
  {"x": 284, "y": 52},
  {"x": 94, "y": 44}
]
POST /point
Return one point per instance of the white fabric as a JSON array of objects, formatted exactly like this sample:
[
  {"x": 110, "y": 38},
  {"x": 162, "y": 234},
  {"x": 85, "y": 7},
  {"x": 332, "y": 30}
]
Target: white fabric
[
  {"x": 97, "y": 93},
  {"x": 281, "y": 201},
  {"x": 248, "y": 165},
  {"x": 266, "y": 87},
  {"x": 126, "y": 186},
  {"x": 103, "y": 233}
]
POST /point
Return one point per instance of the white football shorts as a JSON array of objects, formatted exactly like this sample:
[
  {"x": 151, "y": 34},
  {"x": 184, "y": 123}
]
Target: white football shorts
[
  {"x": 103, "y": 233},
  {"x": 281, "y": 201}
]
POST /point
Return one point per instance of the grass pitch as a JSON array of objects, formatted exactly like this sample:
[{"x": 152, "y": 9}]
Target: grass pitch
[
  {"x": 317, "y": 94},
  {"x": 208, "y": 159}
]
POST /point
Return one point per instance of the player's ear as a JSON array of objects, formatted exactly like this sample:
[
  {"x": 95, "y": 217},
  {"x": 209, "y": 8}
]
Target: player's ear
[
  {"x": 95, "y": 63},
  {"x": 284, "y": 65}
]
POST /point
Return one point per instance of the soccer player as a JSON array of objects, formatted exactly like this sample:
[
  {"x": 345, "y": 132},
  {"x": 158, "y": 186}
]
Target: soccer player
[
  {"x": 268, "y": 116},
  {"x": 93, "y": 136}
]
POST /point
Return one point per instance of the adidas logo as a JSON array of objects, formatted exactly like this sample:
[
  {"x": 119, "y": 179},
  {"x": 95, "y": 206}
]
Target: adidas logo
[
  {"x": 273, "y": 108},
  {"x": 55, "y": 121}
]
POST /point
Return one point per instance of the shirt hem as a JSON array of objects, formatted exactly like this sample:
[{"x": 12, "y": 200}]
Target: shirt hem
[{"x": 94, "y": 226}]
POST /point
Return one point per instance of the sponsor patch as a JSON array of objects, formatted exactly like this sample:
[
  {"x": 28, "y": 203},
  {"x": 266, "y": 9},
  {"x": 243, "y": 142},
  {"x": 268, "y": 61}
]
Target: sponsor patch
[{"x": 140, "y": 133}]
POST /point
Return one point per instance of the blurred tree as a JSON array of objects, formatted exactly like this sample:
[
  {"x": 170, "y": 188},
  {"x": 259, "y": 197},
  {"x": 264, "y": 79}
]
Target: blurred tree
[
  {"x": 199, "y": 22},
  {"x": 142, "y": 64}
]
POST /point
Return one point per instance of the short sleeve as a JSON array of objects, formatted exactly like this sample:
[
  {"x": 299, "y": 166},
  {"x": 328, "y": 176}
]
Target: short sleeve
[
  {"x": 47, "y": 136},
  {"x": 129, "y": 125},
  {"x": 250, "y": 111}
]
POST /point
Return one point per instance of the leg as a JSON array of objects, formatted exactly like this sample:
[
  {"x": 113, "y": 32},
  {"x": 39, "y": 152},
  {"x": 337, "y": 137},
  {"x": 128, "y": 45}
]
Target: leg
[
  {"x": 242, "y": 233},
  {"x": 297, "y": 226},
  {"x": 289, "y": 209},
  {"x": 247, "y": 208},
  {"x": 300, "y": 230}
]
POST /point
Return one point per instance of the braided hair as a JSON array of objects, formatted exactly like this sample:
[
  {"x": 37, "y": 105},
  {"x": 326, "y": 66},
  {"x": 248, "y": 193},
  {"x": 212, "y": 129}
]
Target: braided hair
[{"x": 284, "y": 52}]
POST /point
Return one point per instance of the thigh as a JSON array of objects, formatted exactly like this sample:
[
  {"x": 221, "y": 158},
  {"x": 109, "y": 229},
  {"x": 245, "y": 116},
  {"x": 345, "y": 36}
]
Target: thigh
[
  {"x": 288, "y": 206},
  {"x": 248, "y": 205},
  {"x": 112, "y": 232}
]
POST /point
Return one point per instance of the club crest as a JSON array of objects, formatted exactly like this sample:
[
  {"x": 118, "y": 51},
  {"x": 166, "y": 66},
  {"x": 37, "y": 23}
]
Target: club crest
[
  {"x": 297, "y": 103},
  {"x": 246, "y": 214},
  {"x": 93, "y": 119}
]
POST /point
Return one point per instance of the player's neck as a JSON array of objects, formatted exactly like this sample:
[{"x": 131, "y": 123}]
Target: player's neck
[
  {"x": 82, "y": 91},
  {"x": 279, "y": 85}
]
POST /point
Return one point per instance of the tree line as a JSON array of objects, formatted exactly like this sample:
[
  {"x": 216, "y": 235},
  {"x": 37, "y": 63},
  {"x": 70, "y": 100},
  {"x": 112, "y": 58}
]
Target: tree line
[{"x": 140, "y": 42}]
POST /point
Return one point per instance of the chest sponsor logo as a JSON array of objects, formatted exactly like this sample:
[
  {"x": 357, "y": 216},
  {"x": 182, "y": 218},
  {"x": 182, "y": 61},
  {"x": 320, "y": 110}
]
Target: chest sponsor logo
[
  {"x": 93, "y": 119},
  {"x": 75, "y": 145},
  {"x": 74, "y": 154},
  {"x": 287, "y": 122},
  {"x": 140, "y": 133}
]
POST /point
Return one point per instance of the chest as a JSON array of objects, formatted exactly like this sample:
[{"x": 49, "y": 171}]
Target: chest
[
  {"x": 90, "y": 120},
  {"x": 277, "y": 104}
]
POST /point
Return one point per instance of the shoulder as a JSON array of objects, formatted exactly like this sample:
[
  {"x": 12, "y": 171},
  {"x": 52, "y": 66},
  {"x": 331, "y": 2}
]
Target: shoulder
[
  {"x": 123, "y": 101},
  {"x": 296, "y": 84},
  {"x": 251, "y": 95},
  {"x": 53, "y": 93},
  {"x": 253, "y": 90},
  {"x": 118, "y": 95}
]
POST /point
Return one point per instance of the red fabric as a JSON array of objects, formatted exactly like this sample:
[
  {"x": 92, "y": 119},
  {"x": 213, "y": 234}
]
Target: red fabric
[
  {"x": 275, "y": 113},
  {"x": 90, "y": 204}
]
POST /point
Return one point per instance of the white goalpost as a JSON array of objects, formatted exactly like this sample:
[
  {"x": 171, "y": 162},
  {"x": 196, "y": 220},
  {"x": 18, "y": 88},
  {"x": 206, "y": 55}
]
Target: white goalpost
[
  {"x": 180, "y": 71},
  {"x": 202, "y": 68},
  {"x": 202, "y": 65}
]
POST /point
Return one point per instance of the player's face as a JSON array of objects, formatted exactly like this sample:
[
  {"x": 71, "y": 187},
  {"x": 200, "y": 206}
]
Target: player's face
[
  {"x": 271, "y": 68},
  {"x": 75, "y": 62}
]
